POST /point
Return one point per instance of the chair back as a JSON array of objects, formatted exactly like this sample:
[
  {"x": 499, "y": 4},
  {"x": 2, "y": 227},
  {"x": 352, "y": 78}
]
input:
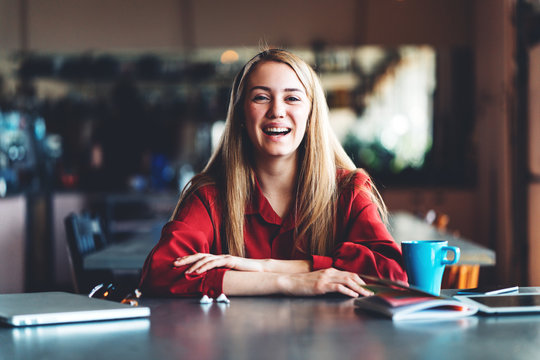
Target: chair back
[{"x": 84, "y": 236}]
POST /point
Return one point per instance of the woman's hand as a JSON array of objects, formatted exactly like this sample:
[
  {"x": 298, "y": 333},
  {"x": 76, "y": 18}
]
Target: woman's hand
[
  {"x": 203, "y": 262},
  {"x": 322, "y": 282}
]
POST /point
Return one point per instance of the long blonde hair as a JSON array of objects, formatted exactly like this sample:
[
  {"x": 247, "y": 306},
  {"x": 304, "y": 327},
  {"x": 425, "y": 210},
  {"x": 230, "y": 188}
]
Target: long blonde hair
[{"x": 320, "y": 157}]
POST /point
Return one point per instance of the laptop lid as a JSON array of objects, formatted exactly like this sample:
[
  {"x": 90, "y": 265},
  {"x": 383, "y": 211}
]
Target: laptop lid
[{"x": 60, "y": 307}]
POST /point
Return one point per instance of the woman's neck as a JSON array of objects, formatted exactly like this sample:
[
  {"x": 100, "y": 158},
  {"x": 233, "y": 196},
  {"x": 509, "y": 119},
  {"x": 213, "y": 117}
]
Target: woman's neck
[{"x": 278, "y": 182}]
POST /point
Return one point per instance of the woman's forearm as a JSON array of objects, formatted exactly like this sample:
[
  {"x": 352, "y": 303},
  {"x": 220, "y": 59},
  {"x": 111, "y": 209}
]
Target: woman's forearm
[
  {"x": 287, "y": 266},
  {"x": 251, "y": 283},
  {"x": 271, "y": 280},
  {"x": 271, "y": 276},
  {"x": 200, "y": 262},
  {"x": 305, "y": 283}
]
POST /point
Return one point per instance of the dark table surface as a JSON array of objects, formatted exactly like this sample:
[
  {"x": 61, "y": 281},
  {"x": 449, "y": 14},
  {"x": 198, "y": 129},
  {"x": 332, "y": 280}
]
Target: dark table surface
[{"x": 275, "y": 328}]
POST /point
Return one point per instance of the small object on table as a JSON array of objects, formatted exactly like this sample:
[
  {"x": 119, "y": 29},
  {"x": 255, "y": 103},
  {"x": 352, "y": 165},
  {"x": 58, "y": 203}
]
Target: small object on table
[
  {"x": 205, "y": 300},
  {"x": 223, "y": 299},
  {"x": 113, "y": 292}
]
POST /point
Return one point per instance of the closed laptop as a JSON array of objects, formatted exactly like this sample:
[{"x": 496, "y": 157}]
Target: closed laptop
[{"x": 61, "y": 307}]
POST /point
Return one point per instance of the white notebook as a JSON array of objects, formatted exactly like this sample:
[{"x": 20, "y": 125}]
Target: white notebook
[{"x": 61, "y": 307}]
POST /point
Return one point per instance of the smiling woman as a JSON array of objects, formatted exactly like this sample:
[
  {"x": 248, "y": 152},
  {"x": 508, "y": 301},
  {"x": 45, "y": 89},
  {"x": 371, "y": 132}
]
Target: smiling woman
[
  {"x": 276, "y": 110},
  {"x": 280, "y": 207}
]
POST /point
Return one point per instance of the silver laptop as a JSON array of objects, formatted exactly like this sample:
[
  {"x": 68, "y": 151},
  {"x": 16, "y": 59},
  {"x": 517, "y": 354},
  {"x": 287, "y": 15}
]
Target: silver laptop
[{"x": 61, "y": 307}]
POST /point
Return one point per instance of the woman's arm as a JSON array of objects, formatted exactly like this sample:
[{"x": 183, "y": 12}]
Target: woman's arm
[
  {"x": 270, "y": 276},
  {"x": 199, "y": 263},
  {"x": 368, "y": 248},
  {"x": 193, "y": 231},
  {"x": 364, "y": 245},
  {"x": 311, "y": 283}
]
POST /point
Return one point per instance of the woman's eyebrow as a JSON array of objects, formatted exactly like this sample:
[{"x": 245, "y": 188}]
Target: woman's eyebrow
[
  {"x": 265, "y": 88},
  {"x": 293, "y": 89},
  {"x": 260, "y": 88}
]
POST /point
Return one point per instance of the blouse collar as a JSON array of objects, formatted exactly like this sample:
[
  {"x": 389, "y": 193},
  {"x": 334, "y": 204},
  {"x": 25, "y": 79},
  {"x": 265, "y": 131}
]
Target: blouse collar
[{"x": 259, "y": 204}]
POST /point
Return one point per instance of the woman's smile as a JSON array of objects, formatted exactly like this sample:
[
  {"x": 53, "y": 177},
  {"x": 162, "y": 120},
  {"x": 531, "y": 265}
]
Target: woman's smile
[{"x": 276, "y": 131}]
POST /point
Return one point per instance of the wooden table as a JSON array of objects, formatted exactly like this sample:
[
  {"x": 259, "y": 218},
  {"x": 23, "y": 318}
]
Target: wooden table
[{"x": 275, "y": 328}]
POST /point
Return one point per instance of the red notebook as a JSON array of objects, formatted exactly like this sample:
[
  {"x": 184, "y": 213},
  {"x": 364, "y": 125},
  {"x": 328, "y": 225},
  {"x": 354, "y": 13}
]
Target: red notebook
[{"x": 400, "y": 301}]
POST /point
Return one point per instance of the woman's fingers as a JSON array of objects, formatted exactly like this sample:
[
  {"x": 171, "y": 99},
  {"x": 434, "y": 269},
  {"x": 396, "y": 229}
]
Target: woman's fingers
[
  {"x": 203, "y": 262},
  {"x": 195, "y": 260},
  {"x": 333, "y": 280},
  {"x": 352, "y": 282},
  {"x": 207, "y": 263},
  {"x": 189, "y": 259},
  {"x": 356, "y": 284},
  {"x": 345, "y": 290},
  {"x": 360, "y": 289}
]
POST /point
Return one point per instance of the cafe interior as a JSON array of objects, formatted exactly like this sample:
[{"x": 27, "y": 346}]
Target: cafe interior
[{"x": 108, "y": 108}]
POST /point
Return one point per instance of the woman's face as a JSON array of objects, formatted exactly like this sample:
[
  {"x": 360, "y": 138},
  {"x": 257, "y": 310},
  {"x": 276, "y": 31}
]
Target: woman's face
[{"x": 276, "y": 109}]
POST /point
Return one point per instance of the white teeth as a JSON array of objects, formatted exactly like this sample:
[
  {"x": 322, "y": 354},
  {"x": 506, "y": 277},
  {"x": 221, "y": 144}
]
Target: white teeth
[{"x": 276, "y": 129}]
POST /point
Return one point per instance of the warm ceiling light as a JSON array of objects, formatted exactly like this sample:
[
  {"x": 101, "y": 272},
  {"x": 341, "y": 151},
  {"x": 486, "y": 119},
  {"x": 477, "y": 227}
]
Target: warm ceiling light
[{"x": 229, "y": 57}]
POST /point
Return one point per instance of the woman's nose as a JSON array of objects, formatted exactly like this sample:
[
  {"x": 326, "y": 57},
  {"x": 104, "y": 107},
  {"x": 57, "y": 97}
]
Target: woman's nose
[{"x": 277, "y": 110}]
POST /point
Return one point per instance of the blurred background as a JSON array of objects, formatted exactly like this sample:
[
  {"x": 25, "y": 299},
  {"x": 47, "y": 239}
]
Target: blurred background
[{"x": 111, "y": 106}]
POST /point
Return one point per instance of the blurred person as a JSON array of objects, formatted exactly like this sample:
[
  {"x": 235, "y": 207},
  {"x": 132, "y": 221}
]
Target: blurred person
[{"x": 279, "y": 208}]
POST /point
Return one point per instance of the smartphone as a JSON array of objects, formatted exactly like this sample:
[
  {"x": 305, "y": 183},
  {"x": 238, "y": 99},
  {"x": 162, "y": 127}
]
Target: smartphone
[{"x": 488, "y": 290}]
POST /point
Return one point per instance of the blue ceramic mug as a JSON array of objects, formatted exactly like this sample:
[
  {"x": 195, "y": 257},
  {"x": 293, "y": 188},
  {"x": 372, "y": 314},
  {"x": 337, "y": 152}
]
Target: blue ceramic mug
[{"x": 425, "y": 261}]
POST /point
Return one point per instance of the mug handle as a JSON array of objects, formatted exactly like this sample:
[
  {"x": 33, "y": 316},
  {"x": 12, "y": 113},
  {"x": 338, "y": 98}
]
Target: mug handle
[{"x": 456, "y": 252}]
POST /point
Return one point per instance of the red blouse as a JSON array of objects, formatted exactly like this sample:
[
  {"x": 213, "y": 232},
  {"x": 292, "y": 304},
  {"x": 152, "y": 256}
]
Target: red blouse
[{"x": 364, "y": 245}]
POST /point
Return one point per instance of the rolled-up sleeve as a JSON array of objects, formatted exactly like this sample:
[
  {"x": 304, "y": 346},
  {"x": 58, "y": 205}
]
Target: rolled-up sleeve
[{"x": 191, "y": 232}]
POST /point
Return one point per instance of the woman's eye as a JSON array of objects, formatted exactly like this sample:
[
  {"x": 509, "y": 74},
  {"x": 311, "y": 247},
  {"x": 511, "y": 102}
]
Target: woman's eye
[
  {"x": 292, "y": 98},
  {"x": 260, "y": 98}
]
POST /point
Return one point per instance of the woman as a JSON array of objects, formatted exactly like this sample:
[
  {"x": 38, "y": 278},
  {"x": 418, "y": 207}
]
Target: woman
[{"x": 280, "y": 207}]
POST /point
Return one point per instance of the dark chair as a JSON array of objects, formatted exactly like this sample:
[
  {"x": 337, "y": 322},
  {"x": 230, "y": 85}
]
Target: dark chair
[{"x": 84, "y": 236}]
